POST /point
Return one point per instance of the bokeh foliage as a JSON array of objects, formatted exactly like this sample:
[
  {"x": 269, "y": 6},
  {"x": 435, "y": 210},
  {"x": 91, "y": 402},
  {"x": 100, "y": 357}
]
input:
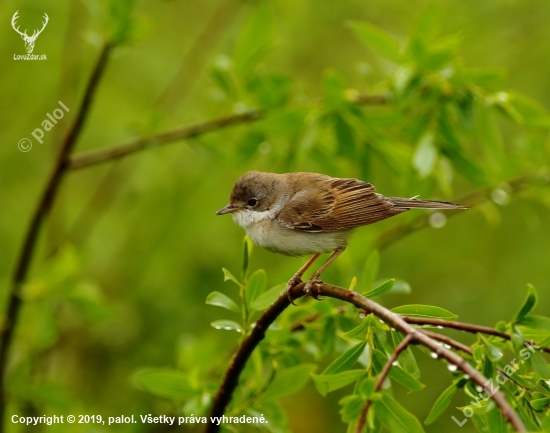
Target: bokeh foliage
[{"x": 115, "y": 304}]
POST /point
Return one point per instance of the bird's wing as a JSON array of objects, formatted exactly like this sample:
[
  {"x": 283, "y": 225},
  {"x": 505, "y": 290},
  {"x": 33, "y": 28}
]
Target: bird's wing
[{"x": 330, "y": 204}]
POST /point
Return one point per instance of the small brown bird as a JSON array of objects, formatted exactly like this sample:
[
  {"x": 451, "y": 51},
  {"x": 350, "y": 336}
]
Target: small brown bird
[{"x": 299, "y": 214}]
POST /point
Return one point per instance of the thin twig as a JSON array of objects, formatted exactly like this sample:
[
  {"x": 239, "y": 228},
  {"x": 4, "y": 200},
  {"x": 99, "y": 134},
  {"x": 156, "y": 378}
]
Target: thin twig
[
  {"x": 409, "y": 339},
  {"x": 466, "y": 327},
  {"x": 120, "y": 150},
  {"x": 136, "y": 144},
  {"x": 397, "y": 322},
  {"x": 448, "y": 340},
  {"x": 42, "y": 209}
]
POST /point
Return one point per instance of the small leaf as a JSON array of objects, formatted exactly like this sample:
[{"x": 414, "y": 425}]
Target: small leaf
[
  {"x": 267, "y": 298},
  {"x": 492, "y": 352},
  {"x": 406, "y": 357},
  {"x": 220, "y": 300},
  {"x": 425, "y": 155},
  {"x": 381, "y": 289},
  {"x": 395, "y": 417},
  {"x": 165, "y": 383},
  {"x": 287, "y": 382},
  {"x": 353, "y": 283},
  {"x": 429, "y": 311},
  {"x": 535, "y": 328},
  {"x": 377, "y": 39},
  {"x": 255, "y": 286},
  {"x": 228, "y": 276},
  {"x": 352, "y": 406},
  {"x": 326, "y": 383},
  {"x": 532, "y": 113},
  {"x": 528, "y": 304},
  {"x": 346, "y": 359},
  {"x": 540, "y": 403},
  {"x": 441, "y": 404},
  {"x": 540, "y": 365},
  {"x": 228, "y": 325},
  {"x": 397, "y": 373}
]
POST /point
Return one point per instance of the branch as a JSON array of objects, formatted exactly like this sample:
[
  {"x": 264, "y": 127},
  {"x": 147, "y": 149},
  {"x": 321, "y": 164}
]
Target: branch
[
  {"x": 136, "y": 144},
  {"x": 409, "y": 339},
  {"x": 466, "y": 327},
  {"x": 238, "y": 362},
  {"x": 42, "y": 209}
]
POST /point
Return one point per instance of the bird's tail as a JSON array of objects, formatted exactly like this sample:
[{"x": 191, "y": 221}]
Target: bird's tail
[{"x": 409, "y": 203}]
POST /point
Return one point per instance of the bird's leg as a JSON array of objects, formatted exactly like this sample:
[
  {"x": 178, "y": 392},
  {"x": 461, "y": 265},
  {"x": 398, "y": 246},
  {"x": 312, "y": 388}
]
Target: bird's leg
[
  {"x": 297, "y": 278},
  {"x": 315, "y": 276}
]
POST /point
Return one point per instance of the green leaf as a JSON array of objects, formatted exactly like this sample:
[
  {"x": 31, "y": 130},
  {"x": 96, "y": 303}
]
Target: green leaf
[
  {"x": 377, "y": 39},
  {"x": 352, "y": 406},
  {"x": 532, "y": 113},
  {"x": 220, "y": 300},
  {"x": 165, "y": 383},
  {"x": 535, "y": 328},
  {"x": 397, "y": 373},
  {"x": 381, "y": 289},
  {"x": 346, "y": 359},
  {"x": 441, "y": 404},
  {"x": 406, "y": 357},
  {"x": 540, "y": 403},
  {"x": 228, "y": 276},
  {"x": 358, "y": 330},
  {"x": 255, "y": 286},
  {"x": 493, "y": 352},
  {"x": 326, "y": 383},
  {"x": 345, "y": 136},
  {"x": 428, "y": 311},
  {"x": 228, "y": 325},
  {"x": 528, "y": 304},
  {"x": 540, "y": 365},
  {"x": 254, "y": 41},
  {"x": 395, "y": 417},
  {"x": 425, "y": 155},
  {"x": 267, "y": 298},
  {"x": 287, "y": 382}
]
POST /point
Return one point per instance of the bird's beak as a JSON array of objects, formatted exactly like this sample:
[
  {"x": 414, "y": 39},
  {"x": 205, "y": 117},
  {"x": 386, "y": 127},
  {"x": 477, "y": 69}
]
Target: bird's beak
[{"x": 228, "y": 209}]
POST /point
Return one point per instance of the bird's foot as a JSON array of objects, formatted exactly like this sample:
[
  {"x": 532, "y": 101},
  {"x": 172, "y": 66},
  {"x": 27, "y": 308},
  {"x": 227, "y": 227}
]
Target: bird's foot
[
  {"x": 310, "y": 288},
  {"x": 294, "y": 281}
]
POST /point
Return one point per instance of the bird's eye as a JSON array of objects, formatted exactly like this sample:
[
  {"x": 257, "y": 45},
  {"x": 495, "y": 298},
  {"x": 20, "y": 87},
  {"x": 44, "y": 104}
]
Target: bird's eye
[{"x": 252, "y": 202}]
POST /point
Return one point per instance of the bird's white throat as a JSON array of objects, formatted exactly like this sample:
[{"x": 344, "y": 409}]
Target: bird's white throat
[{"x": 247, "y": 217}]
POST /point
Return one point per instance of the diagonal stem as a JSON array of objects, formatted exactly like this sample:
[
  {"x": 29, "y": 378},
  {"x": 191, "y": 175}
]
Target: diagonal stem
[
  {"x": 42, "y": 209},
  {"x": 409, "y": 339},
  {"x": 466, "y": 327}
]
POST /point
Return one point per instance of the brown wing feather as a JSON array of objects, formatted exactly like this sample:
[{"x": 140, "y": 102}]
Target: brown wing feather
[{"x": 329, "y": 204}]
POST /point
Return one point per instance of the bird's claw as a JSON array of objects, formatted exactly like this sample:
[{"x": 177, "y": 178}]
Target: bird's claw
[
  {"x": 310, "y": 289},
  {"x": 293, "y": 282}
]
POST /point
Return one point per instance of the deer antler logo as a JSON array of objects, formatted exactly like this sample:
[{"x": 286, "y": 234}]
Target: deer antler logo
[{"x": 29, "y": 40}]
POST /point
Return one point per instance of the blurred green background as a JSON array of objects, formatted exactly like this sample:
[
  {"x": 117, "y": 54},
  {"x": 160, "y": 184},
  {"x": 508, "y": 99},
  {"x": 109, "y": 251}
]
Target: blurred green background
[{"x": 132, "y": 248}]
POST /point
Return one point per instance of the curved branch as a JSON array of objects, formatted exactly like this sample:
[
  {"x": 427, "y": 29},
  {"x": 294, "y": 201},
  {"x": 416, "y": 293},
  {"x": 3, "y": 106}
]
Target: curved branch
[
  {"x": 409, "y": 339},
  {"x": 42, "y": 209},
  {"x": 238, "y": 362},
  {"x": 466, "y": 327}
]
